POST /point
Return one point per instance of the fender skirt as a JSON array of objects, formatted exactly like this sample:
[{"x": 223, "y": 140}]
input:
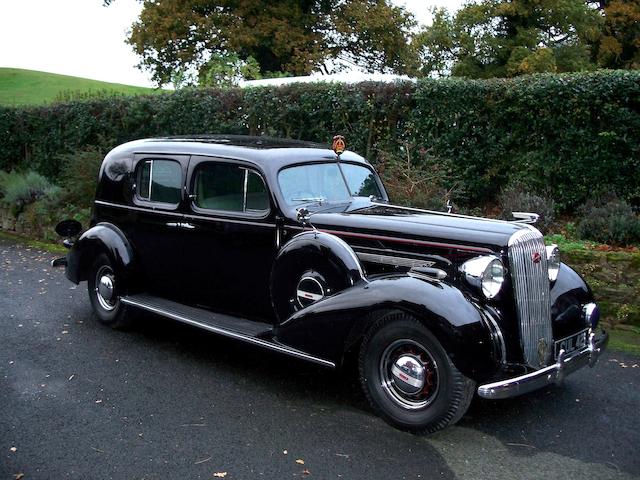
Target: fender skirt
[
  {"x": 103, "y": 237},
  {"x": 332, "y": 326}
]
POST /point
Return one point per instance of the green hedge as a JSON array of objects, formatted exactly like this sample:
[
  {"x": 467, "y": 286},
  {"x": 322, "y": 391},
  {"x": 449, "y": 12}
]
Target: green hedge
[{"x": 573, "y": 137}]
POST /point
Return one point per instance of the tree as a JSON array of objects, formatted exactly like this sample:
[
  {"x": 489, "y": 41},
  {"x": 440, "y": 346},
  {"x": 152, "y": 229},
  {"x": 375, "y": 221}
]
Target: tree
[
  {"x": 189, "y": 38},
  {"x": 619, "y": 44},
  {"x": 506, "y": 38}
]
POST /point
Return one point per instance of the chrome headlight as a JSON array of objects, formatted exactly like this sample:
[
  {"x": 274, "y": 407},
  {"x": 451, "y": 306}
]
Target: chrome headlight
[
  {"x": 553, "y": 262},
  {"x": 484, "y": 273}
]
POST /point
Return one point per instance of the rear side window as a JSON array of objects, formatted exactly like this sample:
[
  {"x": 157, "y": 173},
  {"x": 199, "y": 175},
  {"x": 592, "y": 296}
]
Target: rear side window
[
  {"x": 231, "y": 188},
  {"x": 160, "y": 181}
]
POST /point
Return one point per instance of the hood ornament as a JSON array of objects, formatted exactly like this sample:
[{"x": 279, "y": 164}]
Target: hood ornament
[{"x": 339, "y": 145}]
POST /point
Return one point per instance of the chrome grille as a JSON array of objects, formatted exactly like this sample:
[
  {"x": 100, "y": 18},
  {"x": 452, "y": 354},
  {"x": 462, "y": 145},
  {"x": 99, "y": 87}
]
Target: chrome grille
[{"x": 531, "y": 289}]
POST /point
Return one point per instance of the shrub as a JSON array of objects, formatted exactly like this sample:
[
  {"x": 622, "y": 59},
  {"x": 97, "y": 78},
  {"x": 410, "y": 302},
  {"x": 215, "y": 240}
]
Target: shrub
[
  {"x": 516, "y": 198},
  {"x": 425, "y": 183},
  {"x": 613, "y": 223},
  {"x": 21, "y": 189},
  {"x": 79, "y": 175}
]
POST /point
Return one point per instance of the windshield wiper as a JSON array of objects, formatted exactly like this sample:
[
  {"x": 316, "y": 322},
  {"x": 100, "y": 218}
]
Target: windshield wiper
[{"x": 318, "y": 200}]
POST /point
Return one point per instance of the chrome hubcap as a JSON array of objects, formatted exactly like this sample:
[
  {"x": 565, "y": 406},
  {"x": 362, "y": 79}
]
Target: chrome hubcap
[
  {"x": 105, "y": 288},
  {"x": 308, "y": 291},
  {"x": 409, "y": 374}
]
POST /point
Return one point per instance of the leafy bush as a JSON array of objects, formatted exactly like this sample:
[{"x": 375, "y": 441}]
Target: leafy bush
[
  {"x": 20, "y": 189},
  {"x": 574, "y": 135},
  {"x": 614, "y": 223},
  {"x": 516, "y": 198},
  {"x": 79, "y": 175},
  {"x": 425, "y": 183}
]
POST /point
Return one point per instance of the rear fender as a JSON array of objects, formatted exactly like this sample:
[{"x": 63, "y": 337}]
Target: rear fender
[
  {"x": 102, "y": 238},
  {"x": 332, "y": 326}
]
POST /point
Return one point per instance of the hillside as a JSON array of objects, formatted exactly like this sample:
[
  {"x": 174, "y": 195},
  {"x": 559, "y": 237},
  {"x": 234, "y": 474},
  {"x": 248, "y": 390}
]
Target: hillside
[{"x": 30, "y": 87}]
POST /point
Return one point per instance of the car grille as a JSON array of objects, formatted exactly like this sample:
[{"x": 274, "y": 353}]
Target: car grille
[{"x": 531, "y": 289}]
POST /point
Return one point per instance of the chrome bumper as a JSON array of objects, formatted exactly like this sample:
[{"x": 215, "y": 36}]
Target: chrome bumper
[{"x": 548, "y": 375}]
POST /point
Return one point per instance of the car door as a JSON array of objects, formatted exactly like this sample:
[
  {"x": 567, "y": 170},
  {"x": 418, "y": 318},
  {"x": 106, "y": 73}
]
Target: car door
[
  {"x": 233, "y": 243},
  {"x": 157, "y": 231}
]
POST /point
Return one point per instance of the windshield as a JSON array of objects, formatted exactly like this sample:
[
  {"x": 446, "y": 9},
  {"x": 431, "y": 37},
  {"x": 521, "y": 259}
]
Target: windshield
[{"x": 323, "y": 182}]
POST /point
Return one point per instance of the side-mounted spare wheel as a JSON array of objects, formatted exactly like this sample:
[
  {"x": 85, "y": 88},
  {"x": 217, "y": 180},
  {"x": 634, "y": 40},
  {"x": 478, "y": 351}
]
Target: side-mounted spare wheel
[
  {"x": 408, "y": 377},
  {"x": 312, "y": 266},
  {"x": 105, "y": 287}
]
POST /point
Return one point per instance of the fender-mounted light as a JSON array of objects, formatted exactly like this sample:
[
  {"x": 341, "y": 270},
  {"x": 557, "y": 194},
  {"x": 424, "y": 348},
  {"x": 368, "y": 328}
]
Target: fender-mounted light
[
  {"x": 485, "y": 274},
  {"x": 553, "y": 262}
]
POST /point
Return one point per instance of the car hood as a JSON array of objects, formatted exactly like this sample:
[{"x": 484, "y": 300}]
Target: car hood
[{"x": 389, "y": 224}]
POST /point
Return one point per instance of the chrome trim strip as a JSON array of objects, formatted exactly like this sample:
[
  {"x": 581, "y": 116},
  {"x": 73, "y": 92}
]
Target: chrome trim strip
[
  {"x": 406, "y": 240},
  {"x": 231, "y": 334},
  {"x": 546, "y": 376},
  {"x": 394, "y": 261},
  {"x": 435, "y": 212},
  {"x": 183, "y": 215}
]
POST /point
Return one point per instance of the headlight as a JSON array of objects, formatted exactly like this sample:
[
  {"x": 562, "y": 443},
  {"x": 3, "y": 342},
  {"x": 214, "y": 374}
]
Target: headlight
[
  {"x": 553, "y": 262},
  {"x": 485, "y": 274}
]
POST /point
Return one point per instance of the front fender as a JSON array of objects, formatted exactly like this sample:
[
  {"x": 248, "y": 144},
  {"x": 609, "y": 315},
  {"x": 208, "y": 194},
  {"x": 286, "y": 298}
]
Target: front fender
[
  {"x": 312, "y": 251},
  {"x": 331, "y": 326},
  {"x": 103, "y": 237}
]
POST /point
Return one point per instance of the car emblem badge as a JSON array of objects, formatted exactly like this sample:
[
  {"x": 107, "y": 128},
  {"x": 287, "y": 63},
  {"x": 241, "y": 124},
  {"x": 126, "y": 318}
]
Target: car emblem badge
[{"x": 536, "y": 257}]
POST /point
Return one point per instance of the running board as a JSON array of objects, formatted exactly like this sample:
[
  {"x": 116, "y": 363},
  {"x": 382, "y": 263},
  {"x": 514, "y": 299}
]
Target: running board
[{"x": 226, "y": 325}]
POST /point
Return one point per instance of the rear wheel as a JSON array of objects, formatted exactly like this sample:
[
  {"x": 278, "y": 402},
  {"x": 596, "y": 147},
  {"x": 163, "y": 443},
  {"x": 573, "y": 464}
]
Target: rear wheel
[
  {"x": 408, "y": 377},
  {"x": 104, "y": 287}
]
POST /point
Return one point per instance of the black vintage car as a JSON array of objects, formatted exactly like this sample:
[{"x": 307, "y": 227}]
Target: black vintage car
[{"x": 295, "y": 247}]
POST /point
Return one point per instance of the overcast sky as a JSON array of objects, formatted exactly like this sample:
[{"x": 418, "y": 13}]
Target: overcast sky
[{"x": 85, "y": 39}]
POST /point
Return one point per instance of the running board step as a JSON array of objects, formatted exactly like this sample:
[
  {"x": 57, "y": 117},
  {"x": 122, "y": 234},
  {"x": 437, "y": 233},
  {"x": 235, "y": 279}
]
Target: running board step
[
  {"x": 197, "y": 316},
  {"x": 226, "y": 325}
]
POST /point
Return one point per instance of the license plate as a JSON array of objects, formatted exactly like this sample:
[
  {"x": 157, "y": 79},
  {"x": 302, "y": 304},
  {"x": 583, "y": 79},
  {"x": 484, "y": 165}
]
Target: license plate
[{"x": 572, "y": 343}]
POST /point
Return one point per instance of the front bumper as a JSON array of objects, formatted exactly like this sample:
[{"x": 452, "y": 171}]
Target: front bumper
[{"x": 548, "y": 375}]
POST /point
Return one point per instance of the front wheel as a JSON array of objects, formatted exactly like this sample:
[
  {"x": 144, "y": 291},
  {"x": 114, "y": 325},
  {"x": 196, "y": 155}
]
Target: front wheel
[
  {"x": 408, "y": 377},
  {"x": 104, "y": 288}
]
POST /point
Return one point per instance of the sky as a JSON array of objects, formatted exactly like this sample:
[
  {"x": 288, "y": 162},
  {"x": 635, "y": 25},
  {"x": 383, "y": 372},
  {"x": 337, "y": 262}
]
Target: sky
[{"x": 84, "y": 39}]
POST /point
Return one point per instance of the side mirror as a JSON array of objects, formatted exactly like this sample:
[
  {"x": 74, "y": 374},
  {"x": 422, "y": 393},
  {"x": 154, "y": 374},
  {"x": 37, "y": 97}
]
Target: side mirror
[{"x": 68, "y": 228}]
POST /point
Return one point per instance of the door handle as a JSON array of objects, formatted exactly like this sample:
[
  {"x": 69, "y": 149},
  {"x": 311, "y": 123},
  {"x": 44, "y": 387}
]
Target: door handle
[{"x": 183, "y": 225}]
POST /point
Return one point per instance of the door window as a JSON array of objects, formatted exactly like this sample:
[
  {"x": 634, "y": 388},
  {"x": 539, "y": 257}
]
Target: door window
[
  {"x": 231, "y": 188},
  {"x": 160, "y": 181}
]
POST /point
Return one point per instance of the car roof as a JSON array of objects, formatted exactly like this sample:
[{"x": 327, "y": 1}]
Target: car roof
[{"x": 268, "y": 152}]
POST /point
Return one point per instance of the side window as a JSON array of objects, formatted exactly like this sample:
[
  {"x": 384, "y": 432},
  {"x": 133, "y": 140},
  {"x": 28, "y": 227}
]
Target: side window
[
  {"x": 256, "y": 193},
  {"x": 160, "y": 181},
  {"x": 227, "y": 187}
]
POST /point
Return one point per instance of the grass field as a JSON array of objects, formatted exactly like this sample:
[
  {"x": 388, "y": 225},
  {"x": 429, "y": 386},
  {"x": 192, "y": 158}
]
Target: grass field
[{"x": 29, "y": 87}]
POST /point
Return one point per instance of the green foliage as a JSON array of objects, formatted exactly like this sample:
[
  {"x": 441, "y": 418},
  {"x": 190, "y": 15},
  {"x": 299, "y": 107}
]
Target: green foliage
[
  {"x": 418, "y": 179},
  {"x": 285, "y": 36},
  {"x": 227, "y": 70},
  {"x": 517, "y": 198},
  {"x": 79, "y": 175},
  {"x": 506, "y": 38},
  {"x": 28, "y": 87},
  {"x": 572, "y": 135},
  {"x": 613, "y": 223},
  {"x": 19, "y": 189}
]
